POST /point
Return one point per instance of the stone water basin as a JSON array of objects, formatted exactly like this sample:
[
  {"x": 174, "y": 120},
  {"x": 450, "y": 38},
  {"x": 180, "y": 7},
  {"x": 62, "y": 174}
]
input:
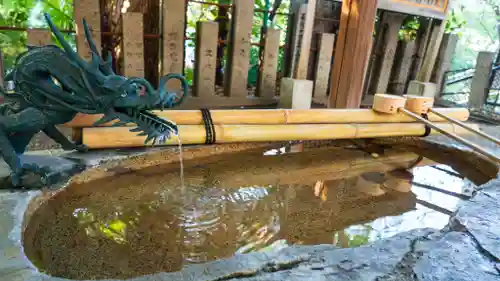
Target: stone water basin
[{"x": 143, "y": 218}]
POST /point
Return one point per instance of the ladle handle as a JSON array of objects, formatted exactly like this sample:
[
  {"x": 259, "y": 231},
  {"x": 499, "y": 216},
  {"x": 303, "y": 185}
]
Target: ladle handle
[
  {"x": 463, "y": 125},
  {"x": 451, "y": 135}
]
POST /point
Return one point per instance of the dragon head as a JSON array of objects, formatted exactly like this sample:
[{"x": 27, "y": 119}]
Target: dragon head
[{"x": 126, "y": 99}]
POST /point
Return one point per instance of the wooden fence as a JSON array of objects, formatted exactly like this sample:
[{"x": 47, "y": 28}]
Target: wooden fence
[
  {"x": 392, "y": 65},
  {"x": 394, "y": 62}
]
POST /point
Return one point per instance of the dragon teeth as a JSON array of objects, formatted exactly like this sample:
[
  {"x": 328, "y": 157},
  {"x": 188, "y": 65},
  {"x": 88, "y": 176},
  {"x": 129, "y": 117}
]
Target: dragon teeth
[{"x": 136, "y": 129}]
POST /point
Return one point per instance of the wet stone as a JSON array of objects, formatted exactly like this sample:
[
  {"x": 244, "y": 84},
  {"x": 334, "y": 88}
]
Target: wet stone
[
  {"x": 321, "y": 262},
  {"x": 455, "y": 257},
  {"x": 93, "y": 158},
  {"x": 13, "y": 264},
  {"x": 59, "y": 168},
  {"x": 480, "y": 217}
]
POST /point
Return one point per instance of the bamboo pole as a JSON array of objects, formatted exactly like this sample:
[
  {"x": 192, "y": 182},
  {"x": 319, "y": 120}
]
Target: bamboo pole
[
  {"x": 283, "y": 116},
  {"x": 463, "y": 125},
  {"x": 452, "y": 135},
  {"x": 119, "y": 137}
]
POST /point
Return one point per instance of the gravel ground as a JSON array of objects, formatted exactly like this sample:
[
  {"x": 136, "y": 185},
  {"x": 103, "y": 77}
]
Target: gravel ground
[{"x": 42, "y": 142}]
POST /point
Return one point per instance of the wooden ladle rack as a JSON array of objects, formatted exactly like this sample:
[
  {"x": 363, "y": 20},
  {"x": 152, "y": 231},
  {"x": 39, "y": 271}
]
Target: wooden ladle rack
[{"x": 418, "y": 107}]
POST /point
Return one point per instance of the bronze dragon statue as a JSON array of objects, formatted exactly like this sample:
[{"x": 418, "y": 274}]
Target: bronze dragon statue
[{"x": 52, "y": 85}]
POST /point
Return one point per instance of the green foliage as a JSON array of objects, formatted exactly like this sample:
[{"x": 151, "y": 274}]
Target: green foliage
[
  {"x": 408, "y": 31},
  {"x": 12, "y": 43},
  {"x": 479, "y": 31},
  {"x": 198, "y": 12},
  {"x": 279, "y": 22},
  {"x": 189, "y": 75},
  {"x": 29, "y": 13},
  {"x": 454, "y": 24},
  {"x": 357, "y": 240}
]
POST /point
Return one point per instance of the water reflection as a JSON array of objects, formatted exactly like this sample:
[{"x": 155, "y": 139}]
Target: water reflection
[{"x": 142, "y": 223}]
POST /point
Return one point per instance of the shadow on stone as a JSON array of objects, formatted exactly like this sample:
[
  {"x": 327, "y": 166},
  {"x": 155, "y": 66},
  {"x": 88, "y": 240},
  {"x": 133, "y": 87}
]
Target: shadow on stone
[{"x": 60, "y": 170}]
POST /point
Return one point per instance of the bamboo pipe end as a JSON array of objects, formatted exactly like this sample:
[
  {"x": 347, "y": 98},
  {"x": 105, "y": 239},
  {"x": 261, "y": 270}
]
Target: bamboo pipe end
[
  {"x": 385, "y": 103},
  {"x": 418, "y": 104}
]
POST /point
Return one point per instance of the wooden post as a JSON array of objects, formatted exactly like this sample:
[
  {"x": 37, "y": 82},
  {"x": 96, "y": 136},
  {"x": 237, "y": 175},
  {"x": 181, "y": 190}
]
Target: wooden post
[
  {"x": 173, "y": 39},
  {"x": 402, "y": 68},
  {"x": 325, "y": 9},
  {"x": 443, "y": 62},
  {"x": 205, "y": 59},
  {"x": 393, "y": 22},
  {"x": 133, "y": 44},
  {"x": 297, "y": 92},
  {"x": 88, "y": 9},
  {"x": 39, "y": 37},
  {"x": 424, "y": 89},
  {"x": 305, "y": 42},
  {"x": 239, "y": 49},
  {"x": 422, "y": 40},
  {"x": 374, "y": 59},
  {"x": 323, "y": 66},
  {"x": 352, "y": 52},
  {"x": 424, "y": 75},
  {"x": 480, "y": 81},
  {"x": 296, "y": 38},
  {"x": 291, "y": 34},
  {"x": 266, "y": 86}
]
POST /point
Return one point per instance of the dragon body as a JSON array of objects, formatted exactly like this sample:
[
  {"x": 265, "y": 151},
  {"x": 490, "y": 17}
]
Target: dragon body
[{"x": 53, "y": 85}]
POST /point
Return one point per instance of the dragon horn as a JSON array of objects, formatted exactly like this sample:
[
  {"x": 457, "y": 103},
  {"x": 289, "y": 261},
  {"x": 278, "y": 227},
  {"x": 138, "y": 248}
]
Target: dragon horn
[
  {"x": 67, "y": 48},
  {"x": 97, "y": 61},
  {"x": 96, "y": 58},
  {"x": 88, "y": 36},
  {"x": 107, "y": 67}
]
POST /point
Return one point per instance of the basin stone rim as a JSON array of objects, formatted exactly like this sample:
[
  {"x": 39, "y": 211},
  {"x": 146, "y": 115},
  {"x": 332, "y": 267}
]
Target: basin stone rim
[{"x": 113, "y": 168}]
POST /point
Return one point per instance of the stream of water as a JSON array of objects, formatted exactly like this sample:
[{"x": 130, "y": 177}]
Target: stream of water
[{"x": 181, "y": 161}]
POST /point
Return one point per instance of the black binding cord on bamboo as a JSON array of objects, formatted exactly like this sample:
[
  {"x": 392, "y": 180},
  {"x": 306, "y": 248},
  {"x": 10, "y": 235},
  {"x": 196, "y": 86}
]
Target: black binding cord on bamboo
[
  {"x": 427, "y": 128},
  {"x": 209, "y": 126}
]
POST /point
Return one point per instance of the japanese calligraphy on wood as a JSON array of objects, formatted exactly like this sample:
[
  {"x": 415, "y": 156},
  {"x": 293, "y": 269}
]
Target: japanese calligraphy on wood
[
  {"x": 239, "y": 48},
  {"x": 39, "y": 37},
  {"x": 133, "y": 44},
  {"x": 266, "y": 86},
  {"x": 88, "y": 9},
  {"x": 206, "y": 58}
]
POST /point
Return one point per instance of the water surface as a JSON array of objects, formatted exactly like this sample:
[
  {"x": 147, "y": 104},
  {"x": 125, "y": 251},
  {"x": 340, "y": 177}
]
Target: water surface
[{"x": 144, "y": 222}]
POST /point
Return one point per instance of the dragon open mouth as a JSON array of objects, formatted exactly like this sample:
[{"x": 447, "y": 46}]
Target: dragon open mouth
[{"x": 148, "y": 124}]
